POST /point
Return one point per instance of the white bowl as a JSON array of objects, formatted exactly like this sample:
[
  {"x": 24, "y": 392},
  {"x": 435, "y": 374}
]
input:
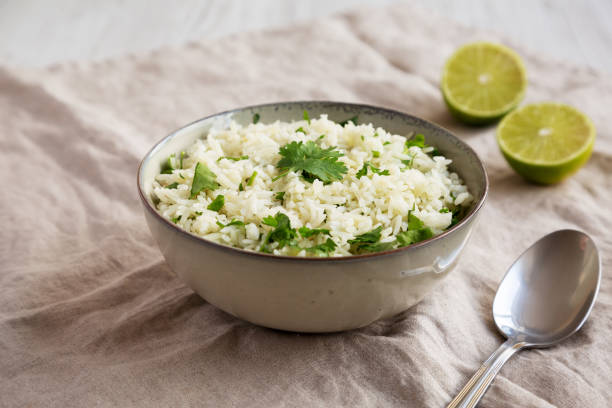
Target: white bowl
[{"x": 313, "y": 294}]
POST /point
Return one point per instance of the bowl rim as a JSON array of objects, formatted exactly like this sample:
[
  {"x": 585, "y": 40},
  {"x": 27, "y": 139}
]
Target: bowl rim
[{"x": 345, "y": 258}]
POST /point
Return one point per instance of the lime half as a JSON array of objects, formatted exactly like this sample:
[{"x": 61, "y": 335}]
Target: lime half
[
  {"x": 482, "y": 82},
  {"x": 546, "y": 142}
]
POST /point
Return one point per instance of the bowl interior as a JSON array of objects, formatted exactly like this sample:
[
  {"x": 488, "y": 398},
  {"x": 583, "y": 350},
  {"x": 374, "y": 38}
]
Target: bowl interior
[{"x": 465, "y": 161}]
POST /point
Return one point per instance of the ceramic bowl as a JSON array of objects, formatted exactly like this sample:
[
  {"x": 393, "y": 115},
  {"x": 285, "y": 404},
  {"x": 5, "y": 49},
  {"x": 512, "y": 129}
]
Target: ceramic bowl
[{"x": 313, "y": 294}]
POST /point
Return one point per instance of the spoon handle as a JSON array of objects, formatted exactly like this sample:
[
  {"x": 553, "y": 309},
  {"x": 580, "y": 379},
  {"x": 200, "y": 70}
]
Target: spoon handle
[{"x": 473, "y": 391}]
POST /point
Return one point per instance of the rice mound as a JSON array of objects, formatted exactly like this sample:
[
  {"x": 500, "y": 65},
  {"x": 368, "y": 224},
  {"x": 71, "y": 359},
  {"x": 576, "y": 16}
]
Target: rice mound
[{"x": 347, "y": 208}]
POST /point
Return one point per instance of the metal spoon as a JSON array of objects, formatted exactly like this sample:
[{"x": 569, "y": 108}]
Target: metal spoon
[{"x": 544, "y": 298}]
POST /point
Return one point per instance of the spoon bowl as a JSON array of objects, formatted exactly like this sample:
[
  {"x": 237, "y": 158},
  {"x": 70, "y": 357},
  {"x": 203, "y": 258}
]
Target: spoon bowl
[{"x": 545, "y": 297}]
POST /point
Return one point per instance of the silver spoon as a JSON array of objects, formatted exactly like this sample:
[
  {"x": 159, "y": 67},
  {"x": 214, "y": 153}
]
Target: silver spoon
[{"x": 544, "y": 298}]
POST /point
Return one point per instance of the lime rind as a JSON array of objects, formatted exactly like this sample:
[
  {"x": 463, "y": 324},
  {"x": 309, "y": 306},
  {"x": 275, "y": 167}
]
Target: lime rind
[{"x": 474, "y": 116}]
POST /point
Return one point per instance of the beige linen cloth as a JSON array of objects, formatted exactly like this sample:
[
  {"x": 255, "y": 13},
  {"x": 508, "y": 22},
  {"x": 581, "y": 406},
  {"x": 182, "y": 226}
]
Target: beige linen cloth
[{"x": 91, "y": 315}]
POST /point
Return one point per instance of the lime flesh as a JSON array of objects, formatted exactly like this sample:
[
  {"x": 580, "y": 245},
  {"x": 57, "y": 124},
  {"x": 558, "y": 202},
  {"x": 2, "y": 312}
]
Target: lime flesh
[
  {"x": 546, "y": 142},
  {"x": 482, "y": 82}
]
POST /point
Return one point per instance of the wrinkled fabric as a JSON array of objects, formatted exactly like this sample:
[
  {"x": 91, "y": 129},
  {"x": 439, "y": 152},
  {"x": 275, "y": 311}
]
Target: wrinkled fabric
[{"x": 91, "y": 315}]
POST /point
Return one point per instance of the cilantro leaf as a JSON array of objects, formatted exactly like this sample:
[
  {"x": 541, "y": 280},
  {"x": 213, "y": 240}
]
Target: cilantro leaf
[
  {"x": 300, "y": 129},
  {"x": 255, "y": 118},
  {"x": 386, "y": 143},
  {"x": 314, "y": 161},
  {"x": 182, "y": 157},
  {"x": 345, "y": 122},
  {"x": 306, "y": 232},
  {"x": 418, "y": 140},
  {"x": 364, "y": 170},
  {"x": 233, "y": 158},
  {"x": 416, "y": 232},
  {"x": 370, "y": 237},
  {"x": 240, "y": 187},
  {"x": 306, "y": 116},
  {"x": 251, "y": 179},
  {"x": 369, "y": 242},
  {"x": 177, "y": 219},
  {"x": 217, "y": 203},
  {"x": 199, "y": 213},
  {"x": 444, "y": 210},
  {"x": 282, "y": 233},
  {"x": 280, "y": 196},
  {"x": 375, "y": 153},
  {"x": 203, "y": 179},
  {"x": 172, "y": 186},
  {"x": 323, "y": 249},
  {"x": 167, "y": 167},
  {"x": 237, "y": 223}
]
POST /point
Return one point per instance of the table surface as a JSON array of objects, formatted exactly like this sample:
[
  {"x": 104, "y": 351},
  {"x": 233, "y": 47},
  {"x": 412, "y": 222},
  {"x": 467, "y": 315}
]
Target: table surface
[{"x": 38, "y": 33}]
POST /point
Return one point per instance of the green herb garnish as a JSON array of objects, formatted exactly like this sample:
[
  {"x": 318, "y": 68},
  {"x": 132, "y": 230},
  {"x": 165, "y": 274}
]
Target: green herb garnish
[
  {"x": 251, "y": 179},
  {"x": 182, "y": 157},
  {"x": 231, "y": 223},
  {"x": 172, "y": 186},
  {"x": 345, "y": 122},
  {"x": 255, "y": 118},
  {"x": 313, "y": 161},
  {"x": 240, "y": 187},
  {"x": 203, "y": 179},
  {"x": 282, "y": 233},
  {"x": 198, "y": 213},
  {"x": 386, "y": 143},
  {"x": 167, "y": 167},
  {"x": 416, "y": 232},
  {"x": 418, "y": 140},
  {"x": 300, "y": 129},
  {"x": 306, "y": 232},
  {"x": 444, "y": 210},
  {"x": 233, "y": 158},
  {"x": 306, "y": 116},
  {"x": 375, "y": 153},
  {"x": 280, "y": 196},
  {"x": 369, "y": 242},
  {"x": 217, "y": 203},
  {"x": 325, "y": 248},
  {"x": 364, "y": 170},
  {"x": 177, "y": 219}
]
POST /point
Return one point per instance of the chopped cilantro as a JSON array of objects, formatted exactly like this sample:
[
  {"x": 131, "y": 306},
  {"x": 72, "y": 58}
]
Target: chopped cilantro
[
  {"x": 233, "y": 158},
  {"x": 353, "y": 119},
  {"x": 416, "y": 232},
  {"x": 237, "y": 223},
  {"x": 167, "y": 167},
  {"x": 182, "y": 157},
  {"x": 172, "y": 186},
  {"x": 306, "y": 116},
  {"x": 177, "y": 219},
  {"x": 386, "y": 143},
  {"x": 408, "y": 162},
  {"x": 369, "y": 242},
  {"x": 323, "y": 249},
  {"x": 181, "y": 176},
  {"x": 300, "y": 129},
  {"x": 418, "y": 140},
  {"x": 256, "y": 118},
  {"x": 362, "y": 137},
  {"x": 240, "y": 187},
  {"x": 364, "y": 170},
  {"x": 282, "y": 233},
  {"x": 314, "y": 162},
  {"x": 375, "y": 153},
  {"x": 280, "y": 196},
  {"x": 251, "y": 179},
  {"x": 444, "y": 210},
  {"x": 321, "y": 137},
  {"x": 203, "y": 179},
  {"x": 198, "y": 213},
  {"x": 306, "y": 232},
  {"x": 457, "y": 215},
  {"x": 375, "y": 134},
  {"x": 217, "y": 203}
]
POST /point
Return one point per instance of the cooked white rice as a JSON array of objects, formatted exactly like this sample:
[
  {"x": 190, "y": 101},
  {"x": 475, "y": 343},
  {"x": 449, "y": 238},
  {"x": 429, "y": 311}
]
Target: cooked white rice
[{"x": 349, "y": 207}]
